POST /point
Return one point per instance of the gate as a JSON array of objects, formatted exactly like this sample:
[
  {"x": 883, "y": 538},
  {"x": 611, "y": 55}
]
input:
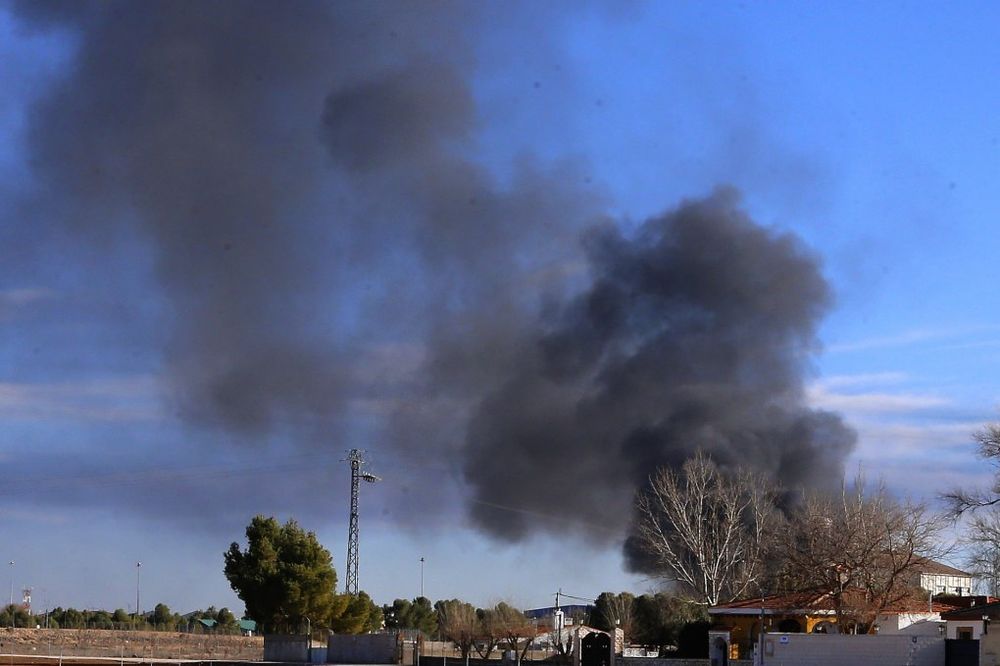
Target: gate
[
  {"x": 595, "y": 649},
  {"x": 961, "y": 652}
]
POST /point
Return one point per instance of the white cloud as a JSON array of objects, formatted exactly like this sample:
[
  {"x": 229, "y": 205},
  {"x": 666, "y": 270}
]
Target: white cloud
[
  {"x": 868, "y": 403},
  {"x": 864, "y": 379},
  {"x": 121, "y": 398},
  {"x": 914, "y": 336}
]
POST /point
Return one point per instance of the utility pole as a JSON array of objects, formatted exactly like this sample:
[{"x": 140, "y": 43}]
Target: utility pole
[
  {"x": 421, "y": 576},
  {"x": 11, "y": 606},
  {"x": 138, "y": 566},
  {"x": 358, "y": 474}
]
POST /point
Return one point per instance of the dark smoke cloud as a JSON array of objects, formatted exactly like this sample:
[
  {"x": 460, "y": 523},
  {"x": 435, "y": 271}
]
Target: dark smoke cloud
[
  {"x": 303, "y": 175},
  {"x": 693, "y": 333}
]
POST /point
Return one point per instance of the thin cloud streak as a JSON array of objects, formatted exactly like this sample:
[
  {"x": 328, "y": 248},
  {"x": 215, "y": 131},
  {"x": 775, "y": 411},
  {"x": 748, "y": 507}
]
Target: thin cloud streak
[
  {"x": 873, "y": 402},
  {"x": 911, "y": 337},
  {"x": 113, "y": 399}
]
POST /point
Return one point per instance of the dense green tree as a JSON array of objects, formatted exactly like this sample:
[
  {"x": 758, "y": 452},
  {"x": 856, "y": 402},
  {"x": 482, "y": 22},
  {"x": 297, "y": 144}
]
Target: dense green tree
[
  {"x": 359, "y": 614},
  {"x": 613, "y": 611},
  {"x": 225, "y": 618},
  {"x": 120, "y": 617},
  {"x": 100, "y": 620},
  {"x": 661, "y": 617},
  {"x": 21, "y": 617},
  {"x": 72, "y": 619},
  {"x": 162, "y": 617},
  {"x": 418, "y": 614},
  {"x": 284, "y": 576}
]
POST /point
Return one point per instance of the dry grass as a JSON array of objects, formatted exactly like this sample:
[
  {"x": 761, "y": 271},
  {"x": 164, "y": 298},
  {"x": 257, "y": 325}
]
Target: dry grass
[{"x": 148, "y": 645}]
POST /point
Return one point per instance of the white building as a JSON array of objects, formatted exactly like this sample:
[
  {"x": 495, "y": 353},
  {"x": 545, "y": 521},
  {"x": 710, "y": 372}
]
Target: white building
[{"x": 940, "y": 578}]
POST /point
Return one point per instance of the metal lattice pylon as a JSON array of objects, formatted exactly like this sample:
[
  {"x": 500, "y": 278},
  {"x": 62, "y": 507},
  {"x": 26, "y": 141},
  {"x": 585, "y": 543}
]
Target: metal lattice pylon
[{"x": 356, "y": 458}]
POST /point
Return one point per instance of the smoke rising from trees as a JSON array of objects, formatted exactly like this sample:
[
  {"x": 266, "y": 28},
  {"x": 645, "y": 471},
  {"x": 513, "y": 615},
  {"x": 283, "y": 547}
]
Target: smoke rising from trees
[{"x": 304, "y": 176}]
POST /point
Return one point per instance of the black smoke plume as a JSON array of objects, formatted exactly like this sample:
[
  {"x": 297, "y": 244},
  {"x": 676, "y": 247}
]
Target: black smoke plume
[
  {"x": 692, "y": 333},
  {"x": 336, "y": 264}
]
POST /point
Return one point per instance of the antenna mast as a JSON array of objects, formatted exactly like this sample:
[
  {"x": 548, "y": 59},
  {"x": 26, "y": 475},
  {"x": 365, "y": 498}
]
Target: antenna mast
[{"x": 358, "y": 474}]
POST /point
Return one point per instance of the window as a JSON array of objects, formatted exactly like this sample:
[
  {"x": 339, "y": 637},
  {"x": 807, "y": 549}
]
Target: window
[{"x": 965, "y": 633}]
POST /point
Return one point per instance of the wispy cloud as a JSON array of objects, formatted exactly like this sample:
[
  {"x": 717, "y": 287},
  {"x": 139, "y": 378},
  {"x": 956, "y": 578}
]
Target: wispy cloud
[
  {"x": 912, "y": 337},
  {"x": 24, "y": 296},
  {"x": 864, "y": 379},
  {"x": 14, "y": 301},
  {"x": 123, "y": 398},
  {"x": 820, "y": 396}
]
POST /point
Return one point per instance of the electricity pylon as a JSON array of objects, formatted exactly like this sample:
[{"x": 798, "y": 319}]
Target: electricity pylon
[{"x": 358, "y": 474}]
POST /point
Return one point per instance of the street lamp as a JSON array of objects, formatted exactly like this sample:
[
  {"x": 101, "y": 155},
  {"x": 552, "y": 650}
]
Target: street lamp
[
  {"x": 138, "y": 566},
  {"x": 421, "y": 577},
  {"x": 11, "y": 606}
]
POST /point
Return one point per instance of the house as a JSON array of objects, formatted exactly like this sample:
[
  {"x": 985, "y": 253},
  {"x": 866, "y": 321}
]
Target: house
[
  {"x": 815, "y": 612},
  {"x": 971, "y": 622},
  {"x": 939, "y": 578}
]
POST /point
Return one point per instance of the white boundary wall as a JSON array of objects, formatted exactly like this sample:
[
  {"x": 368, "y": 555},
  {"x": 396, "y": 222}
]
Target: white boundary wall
[{"x": 837, "y": 650}]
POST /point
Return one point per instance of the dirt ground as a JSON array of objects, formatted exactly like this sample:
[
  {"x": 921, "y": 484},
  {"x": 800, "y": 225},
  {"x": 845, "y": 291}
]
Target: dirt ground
[{"x": 144, "y": 645}]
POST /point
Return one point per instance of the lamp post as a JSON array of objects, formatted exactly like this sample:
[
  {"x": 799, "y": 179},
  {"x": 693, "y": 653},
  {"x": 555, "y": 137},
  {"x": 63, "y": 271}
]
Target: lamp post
[
  {"x": 11, "y": 606},
  {"x": 421, "y": 577},
  {"x": 138, "y": 567}
]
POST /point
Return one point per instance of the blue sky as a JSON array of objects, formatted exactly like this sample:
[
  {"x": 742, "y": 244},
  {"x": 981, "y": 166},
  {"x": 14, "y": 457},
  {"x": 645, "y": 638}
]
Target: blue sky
[{"x": 867, "y": 130}]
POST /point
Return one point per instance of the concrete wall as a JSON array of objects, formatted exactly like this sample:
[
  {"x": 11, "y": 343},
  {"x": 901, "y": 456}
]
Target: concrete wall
[
  {"x": 363, "y": 649},
  {"x": 989, "y": 648},
  {"x": 286, "y": 648},
  {"x": 975, "y": 625},
  {"x": 920, "y": 624},
  {"x": 835, "y": 650}
]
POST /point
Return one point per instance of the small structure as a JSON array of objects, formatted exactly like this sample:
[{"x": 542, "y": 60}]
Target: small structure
[
  {"x": 286, "y": 648},
  {"x": 972, "y": 622},
  {"x": 364, "y": 649}
]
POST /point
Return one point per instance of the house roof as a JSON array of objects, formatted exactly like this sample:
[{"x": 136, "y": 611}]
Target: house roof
[
  {"x": 992, "y": 611},
  {"x": 926, "y": 566},
  {"x": 819, "y": 603},
  {"x": 774, "y": 604},
  {"x": 248, "y": 625}
]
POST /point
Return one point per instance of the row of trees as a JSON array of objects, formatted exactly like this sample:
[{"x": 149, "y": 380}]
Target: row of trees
[
  {"x": 657, "y": 620},
  {"x": 161, "y": 619},
  {"x": 719, "y": 536}
]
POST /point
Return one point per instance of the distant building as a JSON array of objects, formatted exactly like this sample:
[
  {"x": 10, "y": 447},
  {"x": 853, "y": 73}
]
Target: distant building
[
  {"x": 939, "y": 578},
  {"x": 572, "y": 612}
]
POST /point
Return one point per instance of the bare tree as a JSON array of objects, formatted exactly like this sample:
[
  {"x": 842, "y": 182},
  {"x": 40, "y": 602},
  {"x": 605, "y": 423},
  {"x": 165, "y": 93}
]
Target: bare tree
[
  {"x": 707, "y": 529},
  {"x": 861, "y": 547},
  {"x": 458, "y": 623},
  {"x": 983, "y": 556},
  {"x": 487, "y": 632},
  {"x": 962, "y": 500},
  {"x": 515, "y": 630}
]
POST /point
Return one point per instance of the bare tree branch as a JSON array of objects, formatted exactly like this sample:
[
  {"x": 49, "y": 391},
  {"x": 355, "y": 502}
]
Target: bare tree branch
[{"x": 707, "y": 529}]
